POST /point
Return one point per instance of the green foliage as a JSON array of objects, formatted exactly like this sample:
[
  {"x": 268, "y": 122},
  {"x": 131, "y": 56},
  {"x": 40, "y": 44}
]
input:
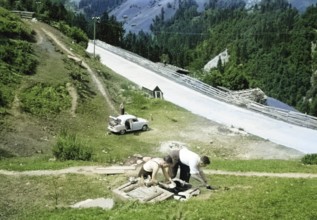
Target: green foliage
[
  {"x": 310, "y": 159},
  {"x": 44, "y": 100},
  {"x": 16, "y": 55},
  {"x": 71, "y": 24},
  {"x": 138, "y": 99},
  {"x": 109, "y": 30},
  {"x": 13, "y": 27},
  {"x": 214, "y": 78},
  {"x": 6, "y": 95},
  {"x": 164, "y": 58},
  {"x": 80, "y": 80},
  {"x": 78, "y": 35},
  {"x": 70, "y": 147},
  {"x": 235, "y": 79},
  {"x": 5, "y": 154}
]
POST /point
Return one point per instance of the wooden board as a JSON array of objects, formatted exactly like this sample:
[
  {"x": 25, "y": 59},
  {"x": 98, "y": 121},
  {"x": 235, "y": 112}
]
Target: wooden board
[{"x": 133, "y": 191}]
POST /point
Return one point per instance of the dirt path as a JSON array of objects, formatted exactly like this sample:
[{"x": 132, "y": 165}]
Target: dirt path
[
  {"x": 131, "y": 171},
  {"x": 95, "y": 79},
  {"x": 73, "y": 93}
]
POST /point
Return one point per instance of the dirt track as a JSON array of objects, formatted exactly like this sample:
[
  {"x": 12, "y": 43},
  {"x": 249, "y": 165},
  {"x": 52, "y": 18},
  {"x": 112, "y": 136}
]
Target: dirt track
[
  {"x": 85, "y": 65},
  {"x": 95, "y": 170}
]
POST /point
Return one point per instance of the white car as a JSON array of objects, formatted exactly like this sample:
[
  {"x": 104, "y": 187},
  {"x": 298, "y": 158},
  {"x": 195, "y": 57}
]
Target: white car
[{"x": 127, "y": 123}]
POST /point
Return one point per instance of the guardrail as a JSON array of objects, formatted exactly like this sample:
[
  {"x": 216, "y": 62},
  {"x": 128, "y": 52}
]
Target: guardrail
[
  {"x": 292, "y": 117},
  {"x": 24, "y": 14}
]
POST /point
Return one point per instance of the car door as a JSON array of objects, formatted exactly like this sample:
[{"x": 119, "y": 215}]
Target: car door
[{"x": 135, "y": 124}]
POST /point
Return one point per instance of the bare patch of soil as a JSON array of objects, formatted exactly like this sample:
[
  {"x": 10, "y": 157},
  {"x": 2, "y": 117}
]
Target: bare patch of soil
[
  {"x": 229, "y": 142},
  {"x": 73, "y": 94}
]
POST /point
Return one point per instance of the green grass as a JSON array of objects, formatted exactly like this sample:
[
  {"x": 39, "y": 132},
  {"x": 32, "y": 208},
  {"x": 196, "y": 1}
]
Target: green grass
[
  {"x": 51, "y": 66},
  {"x": 274, "y": 166},
  {"x": 41, "y": 162},
  {"x": 237, "y": 198}
]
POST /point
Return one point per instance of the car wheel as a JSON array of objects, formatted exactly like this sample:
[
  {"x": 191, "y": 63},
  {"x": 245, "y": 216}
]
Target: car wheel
[
  {"x": 144, "y": 128},
  {"x": 122, "y": 131}
]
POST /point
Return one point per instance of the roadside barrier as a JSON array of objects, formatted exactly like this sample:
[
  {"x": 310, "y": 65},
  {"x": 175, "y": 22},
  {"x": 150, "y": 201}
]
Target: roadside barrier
[
  {"x": 236, "y": 98},
  {"x": 24, "y": 14}
]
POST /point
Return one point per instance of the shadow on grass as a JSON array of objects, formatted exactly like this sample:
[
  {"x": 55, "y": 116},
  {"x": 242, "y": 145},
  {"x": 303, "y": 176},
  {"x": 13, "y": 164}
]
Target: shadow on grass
[{"x": 5, "y": 154}]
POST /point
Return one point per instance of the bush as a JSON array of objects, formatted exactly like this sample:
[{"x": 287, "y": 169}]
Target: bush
[
  {"x": 73, "y": 32},
  {"x": 5, "y": 154},
  {"x": 12, "y": 27},
  {"x": 69, "y": 147},
  {"x": 6, "y": 96},
  {"x": 310, "y": 159},
  {"x": 17, "y": 56},
  {"x": 44, "y": 100}
]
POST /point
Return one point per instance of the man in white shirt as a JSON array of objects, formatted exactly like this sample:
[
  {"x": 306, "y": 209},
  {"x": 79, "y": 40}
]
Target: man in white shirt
[{"x": 190, "y": 165}]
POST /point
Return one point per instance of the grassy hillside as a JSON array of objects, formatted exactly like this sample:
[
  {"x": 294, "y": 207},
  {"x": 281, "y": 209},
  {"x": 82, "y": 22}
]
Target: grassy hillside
[
  {"x": 38, "y": 111},
  {"x": 39, "y": 103}
]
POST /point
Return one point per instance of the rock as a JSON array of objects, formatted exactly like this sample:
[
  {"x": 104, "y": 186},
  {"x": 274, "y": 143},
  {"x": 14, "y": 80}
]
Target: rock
[{"x": 92, "y": 203}]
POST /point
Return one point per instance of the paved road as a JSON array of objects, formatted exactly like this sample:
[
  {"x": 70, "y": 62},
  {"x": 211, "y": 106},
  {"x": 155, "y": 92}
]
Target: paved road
[{"x": 279, "y": 132}]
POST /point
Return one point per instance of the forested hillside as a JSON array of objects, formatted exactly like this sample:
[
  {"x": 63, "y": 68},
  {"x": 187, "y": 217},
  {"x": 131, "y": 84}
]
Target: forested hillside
[{"x": 271, "y": 47}]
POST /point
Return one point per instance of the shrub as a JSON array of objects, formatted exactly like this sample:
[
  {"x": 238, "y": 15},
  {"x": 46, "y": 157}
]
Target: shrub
[
  {"x": 5, "y": 154},
  {"x": 73, "y": 32},
  {"x": 44, "y": 100},
  {"x": 6, "y": 96},
  {"x": 13, "y": 27},
  {"x": 69, "y": 147},
  {"x": 17, "y": 56},
  {"x": 310, "y": 159}
]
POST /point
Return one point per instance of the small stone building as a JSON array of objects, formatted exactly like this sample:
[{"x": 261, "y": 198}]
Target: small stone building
[{"x": 155, "y": 93}]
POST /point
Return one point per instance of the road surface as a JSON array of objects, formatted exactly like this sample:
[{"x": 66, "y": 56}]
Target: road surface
[{"x": 289, "y": 135}]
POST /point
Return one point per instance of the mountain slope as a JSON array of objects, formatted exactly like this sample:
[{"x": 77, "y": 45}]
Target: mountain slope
[{"x": 137, "y": 15}]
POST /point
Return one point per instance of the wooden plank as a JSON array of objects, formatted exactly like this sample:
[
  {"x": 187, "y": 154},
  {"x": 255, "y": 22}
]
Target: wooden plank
[
  {"x": 117, "y": 168},
  {"x": 129, "y": 188},
  {"x": 151, "y": 197},
  {"x": 133, "y": 191}
]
